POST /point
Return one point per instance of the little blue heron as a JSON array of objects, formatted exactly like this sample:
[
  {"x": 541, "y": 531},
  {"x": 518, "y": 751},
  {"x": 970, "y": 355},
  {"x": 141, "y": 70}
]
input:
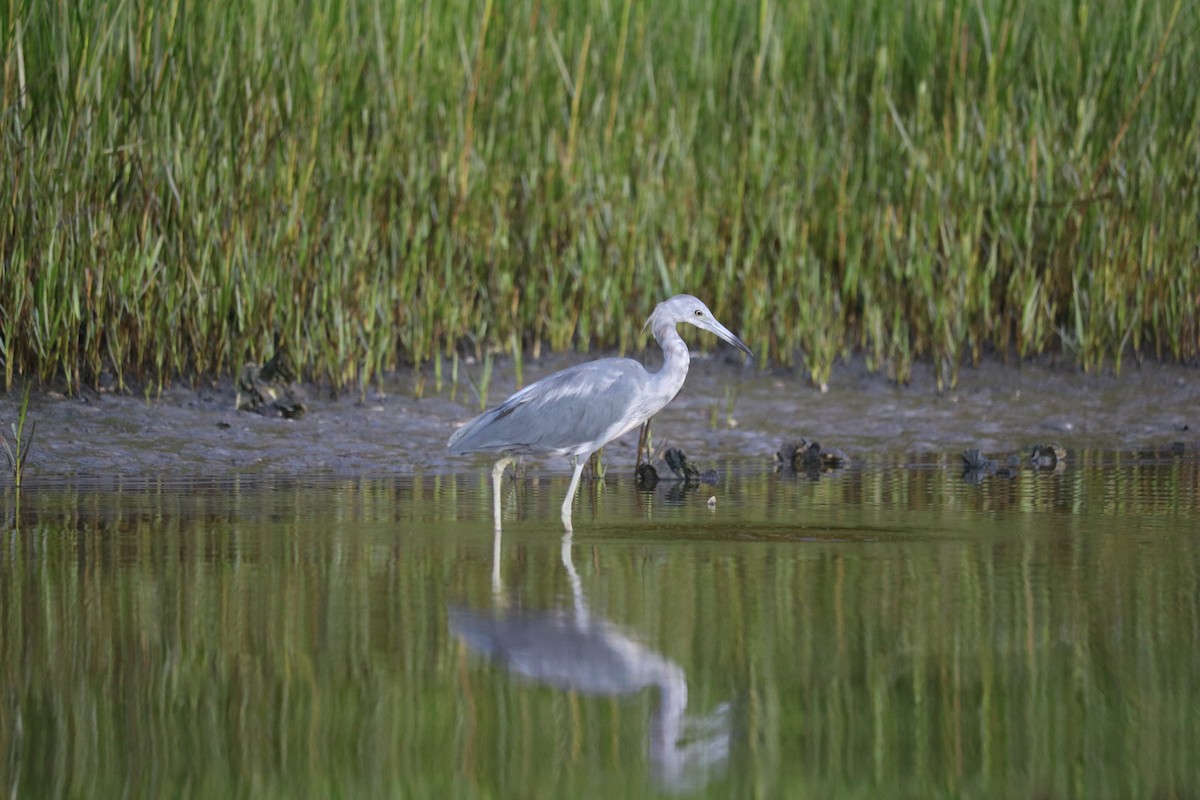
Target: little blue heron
[{"x": 577, "y": 411}]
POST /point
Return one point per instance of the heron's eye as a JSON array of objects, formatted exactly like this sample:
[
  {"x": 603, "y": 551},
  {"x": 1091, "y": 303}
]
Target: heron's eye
[{"x": 699, "y": 313}]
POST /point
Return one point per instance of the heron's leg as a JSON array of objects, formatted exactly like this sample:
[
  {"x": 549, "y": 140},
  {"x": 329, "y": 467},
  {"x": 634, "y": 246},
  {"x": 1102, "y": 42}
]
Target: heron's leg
[
  {"x": 566, "y": 508},
  {"x": 497, "y": 477},
  {"x": 643, "y": 445}
]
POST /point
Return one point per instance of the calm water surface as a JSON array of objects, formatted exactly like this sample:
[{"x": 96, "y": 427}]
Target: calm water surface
[{"x": 888, "y": 631}]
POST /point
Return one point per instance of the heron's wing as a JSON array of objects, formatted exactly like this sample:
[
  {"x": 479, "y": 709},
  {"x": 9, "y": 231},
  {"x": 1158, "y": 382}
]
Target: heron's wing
[{"x": 560, "y": 413}]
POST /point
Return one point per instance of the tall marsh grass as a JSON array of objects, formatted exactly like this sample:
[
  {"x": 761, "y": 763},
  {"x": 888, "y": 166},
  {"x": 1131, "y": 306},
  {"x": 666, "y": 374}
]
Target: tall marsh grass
[{"x": 379, "y": 183}]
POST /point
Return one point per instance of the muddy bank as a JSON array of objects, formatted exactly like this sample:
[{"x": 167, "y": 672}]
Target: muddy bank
[{"x": 996, "y": 407}]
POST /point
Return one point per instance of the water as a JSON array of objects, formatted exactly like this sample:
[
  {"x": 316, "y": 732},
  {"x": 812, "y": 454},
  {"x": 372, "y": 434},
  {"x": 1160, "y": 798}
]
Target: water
[{"x": 886, "y": 631}]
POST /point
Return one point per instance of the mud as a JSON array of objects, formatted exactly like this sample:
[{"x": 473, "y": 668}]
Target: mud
[{"x": 996, "y": 407}]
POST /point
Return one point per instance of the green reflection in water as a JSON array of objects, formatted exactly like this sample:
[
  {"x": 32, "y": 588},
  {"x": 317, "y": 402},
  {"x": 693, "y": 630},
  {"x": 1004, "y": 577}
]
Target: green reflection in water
[{"x": 885, "y": 632}]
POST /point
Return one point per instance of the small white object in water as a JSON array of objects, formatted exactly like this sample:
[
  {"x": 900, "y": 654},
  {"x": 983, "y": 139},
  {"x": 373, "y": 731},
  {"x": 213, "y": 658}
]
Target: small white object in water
[{"x": 712, "y": 502}]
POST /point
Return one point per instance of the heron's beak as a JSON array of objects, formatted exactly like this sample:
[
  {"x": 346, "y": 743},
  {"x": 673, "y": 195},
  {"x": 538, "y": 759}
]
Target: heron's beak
[{"x": 727, "y": 335}]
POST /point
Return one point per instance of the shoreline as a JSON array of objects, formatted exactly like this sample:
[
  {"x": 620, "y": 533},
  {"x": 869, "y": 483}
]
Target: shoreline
[{"x": 997, "y": 407}]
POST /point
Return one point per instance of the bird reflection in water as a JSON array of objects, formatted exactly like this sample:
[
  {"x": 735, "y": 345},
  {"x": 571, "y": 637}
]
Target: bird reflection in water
[{"x": 575, "y": 650}]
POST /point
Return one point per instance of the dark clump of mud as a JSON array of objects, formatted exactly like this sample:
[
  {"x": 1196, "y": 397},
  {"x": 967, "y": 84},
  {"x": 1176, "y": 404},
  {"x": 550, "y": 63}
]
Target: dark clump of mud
[{"x": 725, "y": 410}]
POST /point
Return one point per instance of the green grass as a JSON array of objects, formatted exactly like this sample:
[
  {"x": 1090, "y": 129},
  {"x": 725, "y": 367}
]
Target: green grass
[
  {"x": 17, "y": 453},
  {"x": 379, "y": 184}
]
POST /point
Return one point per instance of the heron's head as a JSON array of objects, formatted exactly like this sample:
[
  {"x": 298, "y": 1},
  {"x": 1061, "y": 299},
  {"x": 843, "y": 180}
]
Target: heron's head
[{"x": 685, "y": 308}]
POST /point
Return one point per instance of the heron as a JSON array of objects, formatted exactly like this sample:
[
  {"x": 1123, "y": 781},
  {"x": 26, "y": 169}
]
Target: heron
[{"x": 580, "y": 409}]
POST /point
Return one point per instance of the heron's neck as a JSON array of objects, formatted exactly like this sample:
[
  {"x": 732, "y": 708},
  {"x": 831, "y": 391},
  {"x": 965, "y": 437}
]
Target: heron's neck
[{"x": 674, "y": 370}]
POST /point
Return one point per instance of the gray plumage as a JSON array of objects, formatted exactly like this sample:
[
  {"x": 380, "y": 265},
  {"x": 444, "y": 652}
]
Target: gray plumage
[
  {"x": 577, "y": 411},
  {"x": 562, "y": 414}
]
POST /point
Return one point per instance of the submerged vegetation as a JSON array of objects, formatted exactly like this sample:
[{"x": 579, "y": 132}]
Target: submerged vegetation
[{"x": 379, "y": 183}]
